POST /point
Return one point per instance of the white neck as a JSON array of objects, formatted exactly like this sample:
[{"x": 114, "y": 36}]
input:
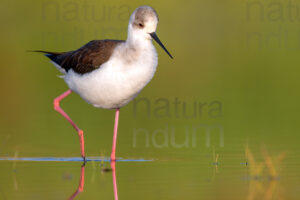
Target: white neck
[{"x": 137, "y": 39}]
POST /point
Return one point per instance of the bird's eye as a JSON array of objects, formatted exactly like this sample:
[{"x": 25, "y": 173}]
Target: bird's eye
[{"x": 141, "y": 25}]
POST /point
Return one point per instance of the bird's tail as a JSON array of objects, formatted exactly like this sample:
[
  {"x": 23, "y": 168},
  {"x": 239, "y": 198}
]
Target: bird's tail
[
  {"x": 49, "y": 54},
  {"x": 54, "y": 57}
]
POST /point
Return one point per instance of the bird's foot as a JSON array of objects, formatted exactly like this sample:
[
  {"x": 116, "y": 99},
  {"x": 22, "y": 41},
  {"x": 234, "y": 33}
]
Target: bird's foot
[
  {"x": 84, "y": 160},
  {"x": 113, "y": 157}
]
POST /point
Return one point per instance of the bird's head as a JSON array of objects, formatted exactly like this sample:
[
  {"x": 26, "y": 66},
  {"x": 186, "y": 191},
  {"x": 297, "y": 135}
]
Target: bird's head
[{"x": 142, "y": 25}]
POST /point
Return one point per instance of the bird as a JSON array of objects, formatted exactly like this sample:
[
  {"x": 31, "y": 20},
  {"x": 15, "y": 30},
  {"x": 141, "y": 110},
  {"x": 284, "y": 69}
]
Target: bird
[{"x": 110, "y": 73}]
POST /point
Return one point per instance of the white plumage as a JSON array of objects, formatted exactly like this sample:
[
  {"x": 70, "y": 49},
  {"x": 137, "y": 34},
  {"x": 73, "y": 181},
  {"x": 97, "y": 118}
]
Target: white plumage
[{"x": 117, "y": 81}]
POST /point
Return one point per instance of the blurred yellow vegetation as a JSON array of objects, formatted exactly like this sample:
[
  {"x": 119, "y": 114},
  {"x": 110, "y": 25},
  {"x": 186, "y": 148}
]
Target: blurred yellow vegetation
[{"x": 264, "y": 176}]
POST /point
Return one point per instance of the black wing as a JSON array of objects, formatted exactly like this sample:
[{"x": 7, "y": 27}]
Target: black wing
[{"x": 85, "y": 59}]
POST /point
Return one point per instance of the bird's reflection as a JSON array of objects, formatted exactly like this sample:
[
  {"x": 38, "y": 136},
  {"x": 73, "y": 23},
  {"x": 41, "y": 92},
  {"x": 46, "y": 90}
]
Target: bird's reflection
[
  {"x": 113, "y": 167},
  {"x": 81, "y": 183},
  {"x": 80, "y": 187}
]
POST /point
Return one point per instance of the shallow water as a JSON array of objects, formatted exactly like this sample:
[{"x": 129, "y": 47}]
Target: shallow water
[{"x": 233, "y": 175}]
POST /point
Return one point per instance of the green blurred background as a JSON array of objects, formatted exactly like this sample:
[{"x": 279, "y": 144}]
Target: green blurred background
[{"x": 235, "y": 72}]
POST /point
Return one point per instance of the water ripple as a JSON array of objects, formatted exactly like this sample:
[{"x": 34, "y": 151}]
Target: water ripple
[{"x": 69, "y": 159}]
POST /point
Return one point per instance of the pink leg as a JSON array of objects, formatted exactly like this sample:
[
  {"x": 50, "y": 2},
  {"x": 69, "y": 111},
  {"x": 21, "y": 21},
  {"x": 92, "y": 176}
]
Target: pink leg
[
  {"x": 113, "y": 167},
  {"x": 58, "y": 109},
  {"x": 113, "y": 153},
  {"x": 81, "y": 184}
]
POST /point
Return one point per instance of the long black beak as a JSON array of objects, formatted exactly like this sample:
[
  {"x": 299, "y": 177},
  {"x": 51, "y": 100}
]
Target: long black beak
[{"x": 154, "y": 36}]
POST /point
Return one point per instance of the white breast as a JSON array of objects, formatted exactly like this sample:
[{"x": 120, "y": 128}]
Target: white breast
[{"x": 118, "y": 80}]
